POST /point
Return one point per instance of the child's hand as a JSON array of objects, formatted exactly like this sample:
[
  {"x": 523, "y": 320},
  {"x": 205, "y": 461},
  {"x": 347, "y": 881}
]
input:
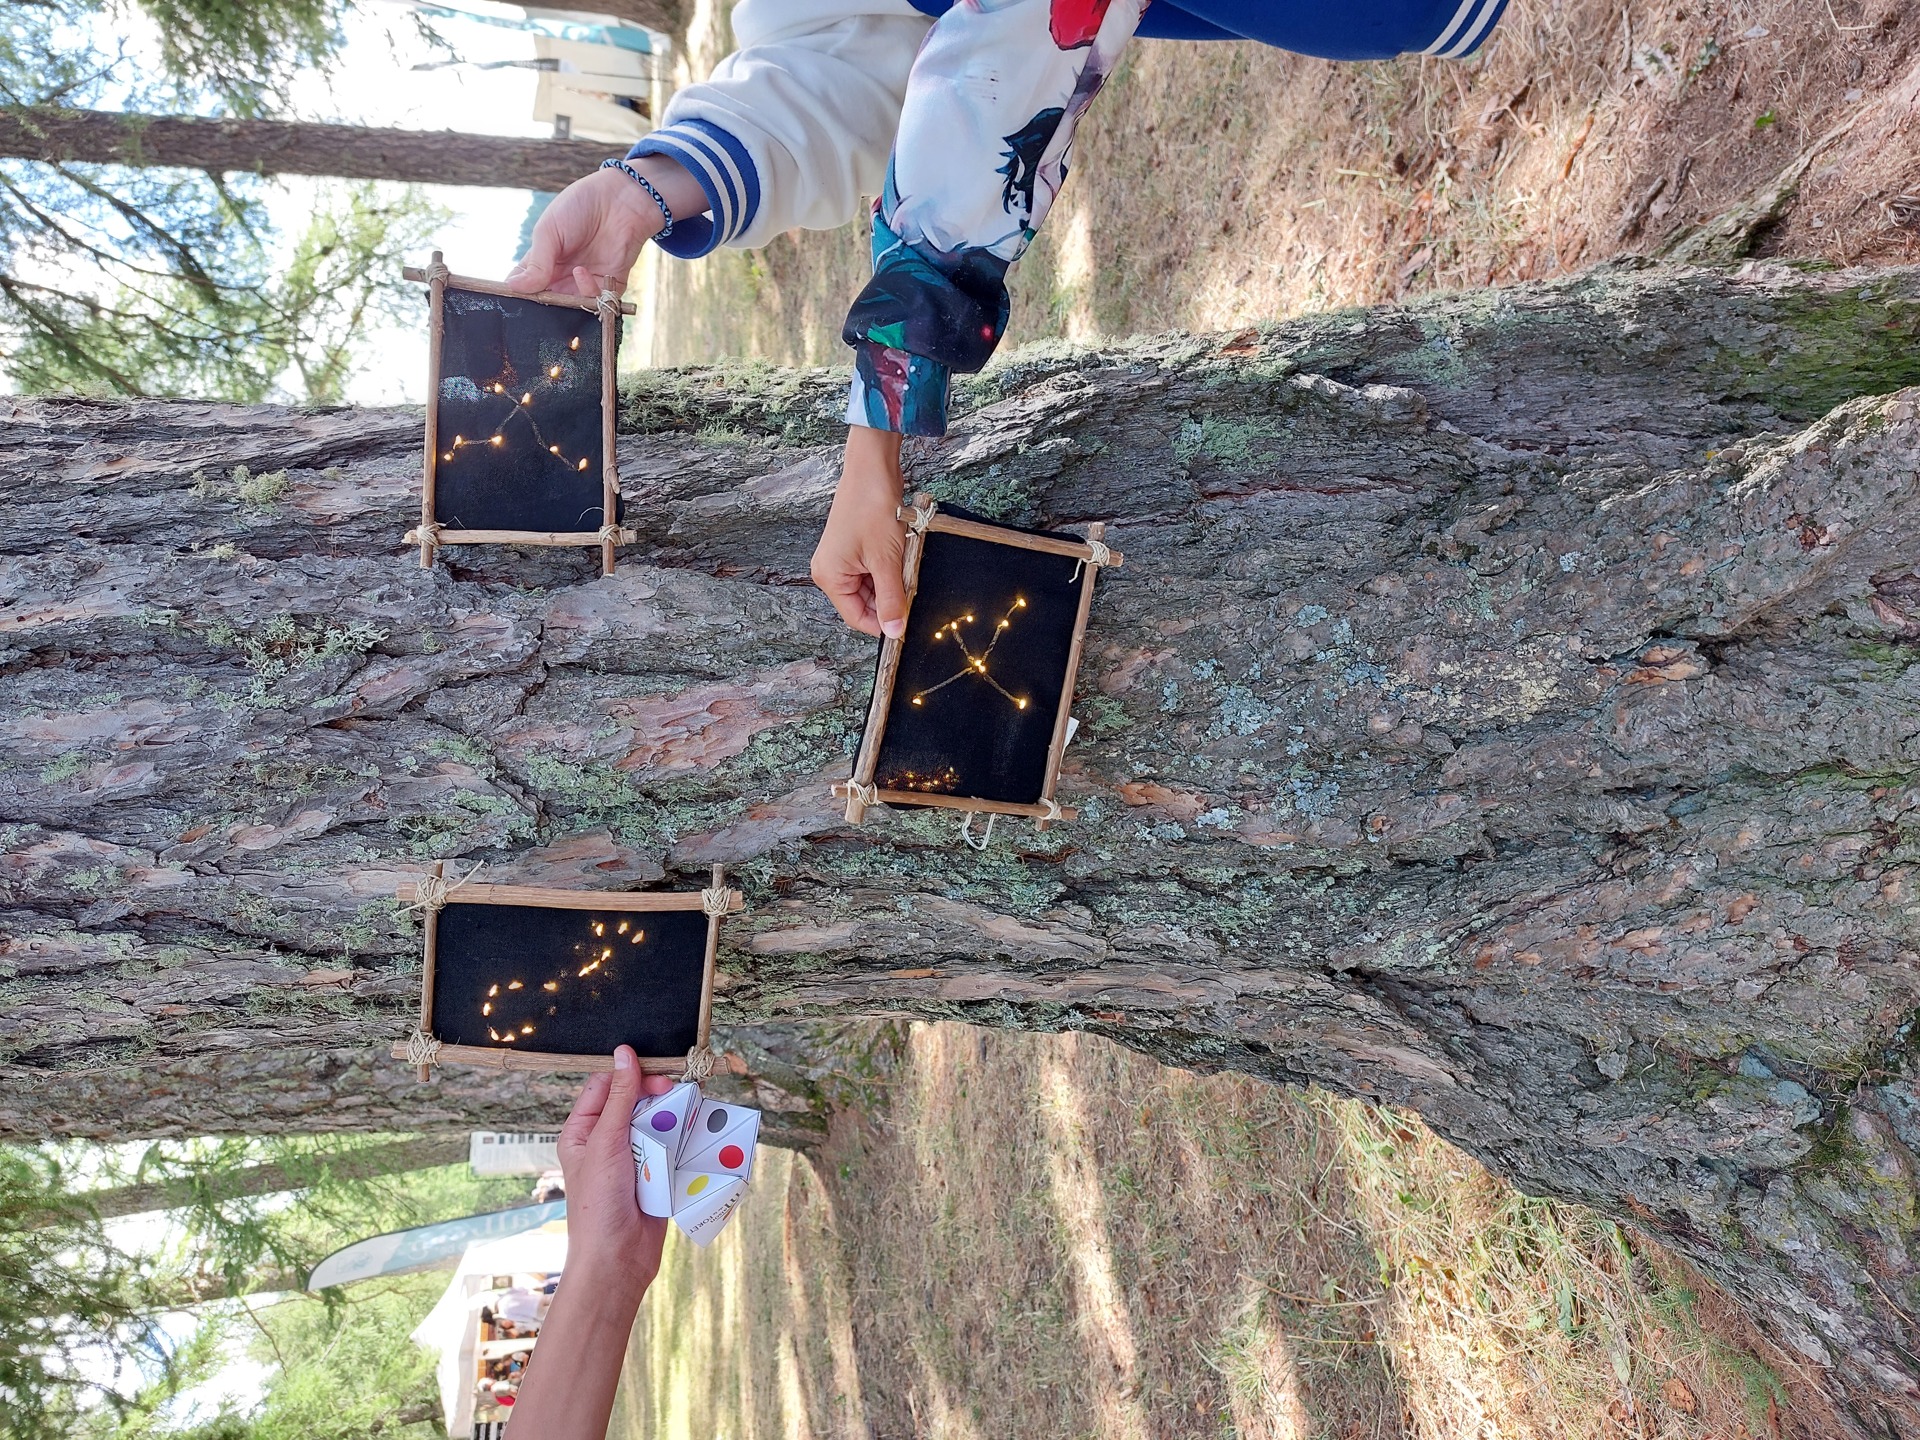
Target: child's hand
[
  {"x": 591, "y": 234},
  {"x": 607, "y": 1236},
  {"x": 857, "y": 564}
]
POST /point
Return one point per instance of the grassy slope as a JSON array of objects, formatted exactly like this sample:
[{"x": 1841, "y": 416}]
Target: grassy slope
[{"x": 1049, "y": 1236}]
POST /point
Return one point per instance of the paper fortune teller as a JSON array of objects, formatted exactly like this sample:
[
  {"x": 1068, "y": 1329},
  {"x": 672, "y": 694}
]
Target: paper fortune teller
[{"x": 693, "y": 1158}]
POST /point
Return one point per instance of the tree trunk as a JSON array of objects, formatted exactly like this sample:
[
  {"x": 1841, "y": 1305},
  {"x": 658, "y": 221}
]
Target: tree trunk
[
  {"x": 1506, "y": 710},
  {"x": 280, "y": 147},
  {"x": 422, "y": 1153},
  {"x": 662, "y": 15}
]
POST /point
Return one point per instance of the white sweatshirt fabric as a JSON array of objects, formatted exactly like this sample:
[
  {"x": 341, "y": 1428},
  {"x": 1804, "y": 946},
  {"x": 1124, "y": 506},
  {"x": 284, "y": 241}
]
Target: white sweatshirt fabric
[{"x": 794, "y": 127}]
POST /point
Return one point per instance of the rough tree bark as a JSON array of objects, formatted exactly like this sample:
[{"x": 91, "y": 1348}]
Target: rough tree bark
[
  {"x": 1507, "y": 710},
  {"x": 282, "y": 147}
]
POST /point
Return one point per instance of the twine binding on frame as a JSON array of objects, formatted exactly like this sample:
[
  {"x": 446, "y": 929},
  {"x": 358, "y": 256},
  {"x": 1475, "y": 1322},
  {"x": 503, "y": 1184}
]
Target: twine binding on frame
[
  {"x": 608, "y": 305},
  {"x": 700, "y": 1063},
  {"x": 715, "y": 900},
  {"x": 1053, "y": 808},
  {"x": 865, "y": 794},
  {"x": 922, "y": 517},
  {"x": 986, "y": 836},
  {"x": 428, "y": 534},
  {"x": 437, "y": 271},
  {"x": 1098, "y": 554},
  {"x": 422, "y": 1048},
  {"x": 612, "y": 534},
  {"x": 431, "y": 891}
]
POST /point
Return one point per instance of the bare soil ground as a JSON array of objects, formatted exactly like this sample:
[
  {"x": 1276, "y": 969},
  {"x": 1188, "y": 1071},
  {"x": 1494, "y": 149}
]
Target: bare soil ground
[{"x": 1046, "y": 1236}]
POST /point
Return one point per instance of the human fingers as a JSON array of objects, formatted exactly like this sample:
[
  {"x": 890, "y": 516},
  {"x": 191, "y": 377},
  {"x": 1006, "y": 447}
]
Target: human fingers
[
  {"x": 586, "y": 1111},
  {"x": 622, "y": 1096},
  {"x": 852, "y": 596}
]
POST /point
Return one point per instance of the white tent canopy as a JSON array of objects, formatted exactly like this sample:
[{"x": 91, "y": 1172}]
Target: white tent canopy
[{"x": 452, "y": 1326}]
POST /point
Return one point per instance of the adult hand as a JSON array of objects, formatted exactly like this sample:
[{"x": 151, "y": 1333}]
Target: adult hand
[
  {"x": 587, "y": 239},
  {"x": 607, "y": 1236},
  {"x": 858, "y": 563}
]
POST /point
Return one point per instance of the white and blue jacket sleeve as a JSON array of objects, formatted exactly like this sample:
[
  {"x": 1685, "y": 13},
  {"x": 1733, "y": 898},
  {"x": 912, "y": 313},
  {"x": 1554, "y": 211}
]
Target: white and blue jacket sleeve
[{"x": 794, "y": 127}]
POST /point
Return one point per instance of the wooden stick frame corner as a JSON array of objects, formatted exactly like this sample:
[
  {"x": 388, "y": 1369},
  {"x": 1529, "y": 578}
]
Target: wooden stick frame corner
[
  {"x": 486, "y": 1057},
  {"x": 429, "y": 535},
  {"x": 859, "y": 790}
]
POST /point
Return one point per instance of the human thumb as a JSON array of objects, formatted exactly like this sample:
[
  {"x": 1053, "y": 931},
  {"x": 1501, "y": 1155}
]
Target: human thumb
[
  {"x": 890, "y": 595},
  {"x": 533, "y": 271}
]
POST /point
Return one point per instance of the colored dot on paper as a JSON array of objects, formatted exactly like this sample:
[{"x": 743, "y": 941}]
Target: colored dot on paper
[
  {"x": 717, "y": 1121},
  {"x": 665, "y": 1121},
  {"x": 696, "y": 1185},
  {"x": 732, "y": 1156}
]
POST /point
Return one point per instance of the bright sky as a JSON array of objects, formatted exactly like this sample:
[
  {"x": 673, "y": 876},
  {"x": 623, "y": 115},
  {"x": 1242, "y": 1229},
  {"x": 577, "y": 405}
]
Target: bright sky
[{"x": 374, "y": 84}]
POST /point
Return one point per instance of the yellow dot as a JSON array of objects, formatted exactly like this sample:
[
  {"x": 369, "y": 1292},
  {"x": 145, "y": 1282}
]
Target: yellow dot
[{"x": 696, "y": 1185}]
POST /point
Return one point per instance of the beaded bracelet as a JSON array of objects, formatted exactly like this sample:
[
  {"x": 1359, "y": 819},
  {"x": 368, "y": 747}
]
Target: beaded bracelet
[{"x": 646, "y": 185}]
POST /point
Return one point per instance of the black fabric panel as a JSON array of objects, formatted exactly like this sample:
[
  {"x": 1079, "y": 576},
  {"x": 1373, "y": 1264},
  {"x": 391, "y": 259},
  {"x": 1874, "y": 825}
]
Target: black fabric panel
[
  {"x": 968, "y": 736},
  {"x": 520, "y": 483},
  {"x": 644, "y": 994}
]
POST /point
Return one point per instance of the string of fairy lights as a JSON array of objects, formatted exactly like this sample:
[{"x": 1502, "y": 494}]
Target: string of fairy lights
[
  {"x": 513, "y": 1034},
  {"x": 976, "y": 665},
  {"x": 522, "y": 410}
]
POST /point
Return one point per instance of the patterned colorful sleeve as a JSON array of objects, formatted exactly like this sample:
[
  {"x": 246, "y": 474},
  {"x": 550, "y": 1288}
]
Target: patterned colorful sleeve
[{"x": 992, "y": 104}]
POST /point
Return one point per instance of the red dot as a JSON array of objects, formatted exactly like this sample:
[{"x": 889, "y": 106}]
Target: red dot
[{"x": 732, "y": 1156}]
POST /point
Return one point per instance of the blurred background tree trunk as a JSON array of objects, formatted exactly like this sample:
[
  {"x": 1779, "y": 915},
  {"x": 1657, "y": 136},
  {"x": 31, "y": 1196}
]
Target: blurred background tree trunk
[{"x": 63, "y": 136}]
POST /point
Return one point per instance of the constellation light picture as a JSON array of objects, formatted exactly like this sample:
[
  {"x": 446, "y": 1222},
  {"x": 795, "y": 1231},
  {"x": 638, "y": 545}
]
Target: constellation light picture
[
  {"x": 520, "y": 442},
  {"x": 523, "y": 978},
  {"x": 970, "y": 706}
]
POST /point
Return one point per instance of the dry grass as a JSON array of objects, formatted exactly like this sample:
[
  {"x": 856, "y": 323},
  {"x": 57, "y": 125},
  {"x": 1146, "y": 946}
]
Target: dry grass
[
  {"x": 1050, "y": 1236},
  {"x": 750, "y": 1337}
]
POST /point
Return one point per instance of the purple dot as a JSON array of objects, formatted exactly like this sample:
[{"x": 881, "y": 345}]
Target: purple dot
[{"x": 665, "y": 1121}]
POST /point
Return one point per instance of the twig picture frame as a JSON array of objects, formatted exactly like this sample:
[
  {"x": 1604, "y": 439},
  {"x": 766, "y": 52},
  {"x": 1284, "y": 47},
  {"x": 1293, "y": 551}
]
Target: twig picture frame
[
  {"x": 560, "y": 941},
  {"x": 946, "y": 549},
  {"x": 510, "y": 391}
]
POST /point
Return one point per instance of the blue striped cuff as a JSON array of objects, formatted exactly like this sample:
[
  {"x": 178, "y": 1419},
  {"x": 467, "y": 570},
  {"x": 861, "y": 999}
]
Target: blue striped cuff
[
  {"x": 726, "y": 173},
  {"x": 1471, "y": 25}
]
